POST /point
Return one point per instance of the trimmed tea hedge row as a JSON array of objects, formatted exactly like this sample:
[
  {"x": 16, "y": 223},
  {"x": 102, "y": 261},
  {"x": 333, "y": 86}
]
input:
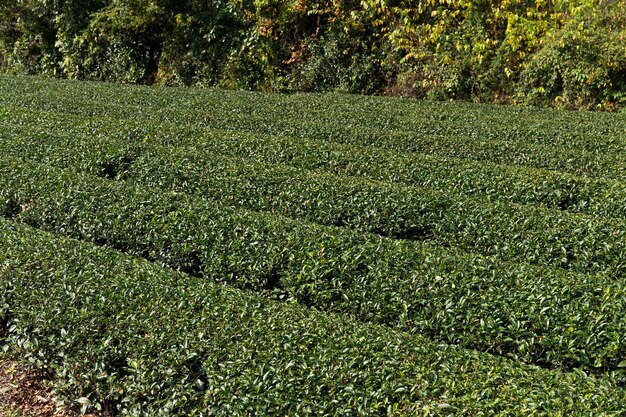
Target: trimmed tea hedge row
[
  {"x": 76, "y": 142},
  {"x": 243, "y": 115},
  {"x": 503, "y": 230},
  {"x": 123, "y": 335},
  {"x": 102, "y": 148},
  {"x": 589, "y": 132},
  {"x": 539, "y": 315},
  {"x": 611, "y": 165},
  {"x": 506, "y": 230}
]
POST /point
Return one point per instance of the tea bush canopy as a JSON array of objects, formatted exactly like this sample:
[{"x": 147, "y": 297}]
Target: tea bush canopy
[{"x": 209, "y": 252}]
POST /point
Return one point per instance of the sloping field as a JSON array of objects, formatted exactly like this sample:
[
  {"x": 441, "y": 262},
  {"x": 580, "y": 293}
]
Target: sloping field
[{"x": 206, "y": 252}]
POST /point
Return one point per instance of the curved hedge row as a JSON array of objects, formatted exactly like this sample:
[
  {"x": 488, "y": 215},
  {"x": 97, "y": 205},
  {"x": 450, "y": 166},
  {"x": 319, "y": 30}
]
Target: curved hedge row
[
  {"x": 283, "y": 116},
  {"x": 507, "y": 231},
  {"x": 539, "y": 315},
  {"x": 93, "y": 144},
  {"x": 123, "y": 335},
  {"x": 451, "y": 176},
  {"x": 592, "y": 132},
  {"x": 500, "y": 229}
]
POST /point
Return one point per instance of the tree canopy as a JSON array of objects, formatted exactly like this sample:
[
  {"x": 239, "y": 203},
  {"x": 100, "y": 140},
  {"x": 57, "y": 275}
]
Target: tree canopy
[{"x": 559, "y": 53}]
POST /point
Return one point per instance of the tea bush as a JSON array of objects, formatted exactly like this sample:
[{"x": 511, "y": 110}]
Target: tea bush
[{"x": 125, "y": 336}]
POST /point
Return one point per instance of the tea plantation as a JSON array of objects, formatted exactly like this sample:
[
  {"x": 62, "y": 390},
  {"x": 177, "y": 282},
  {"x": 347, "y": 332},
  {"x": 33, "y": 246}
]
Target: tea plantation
[{"x": 188, "y": 252}]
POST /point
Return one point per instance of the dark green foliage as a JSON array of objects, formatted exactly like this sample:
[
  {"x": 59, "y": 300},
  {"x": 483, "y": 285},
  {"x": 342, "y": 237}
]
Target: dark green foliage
[
  {"x": 513, "y": 310},
  {"x": 481, "y": 247},
  {"x": 101, "y": 142},
  {"x": 563, "y": 54},
  {"x": 579, "y": 144},
  {"x": 124, "y": 335}
]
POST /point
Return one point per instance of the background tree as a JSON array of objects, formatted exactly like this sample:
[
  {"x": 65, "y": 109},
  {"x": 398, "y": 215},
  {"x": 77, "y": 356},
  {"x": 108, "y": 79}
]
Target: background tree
[{"x": 545, "y": 52}]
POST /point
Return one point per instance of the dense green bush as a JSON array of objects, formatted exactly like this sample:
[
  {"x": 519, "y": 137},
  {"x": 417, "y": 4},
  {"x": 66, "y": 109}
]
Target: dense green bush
[
  {"x": 587, "y": 145},
  {"x": 119, "y": 135},
  {"x": 498, "y": 229},
  {"x": 125, "y": 336},
  {"x": 559, "y": 53},
  {"x": 539, "y": 315},
  {"x": 38, "y": 36},
  {"x": 169, "y": 175},
  {"x": 583, "y": 65}
]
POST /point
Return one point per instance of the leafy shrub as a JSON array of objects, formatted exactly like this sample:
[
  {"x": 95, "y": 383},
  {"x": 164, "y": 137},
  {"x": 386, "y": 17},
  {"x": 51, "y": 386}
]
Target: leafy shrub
[
  {"x": 522, "y": 309},
  {"x": 125, "y": 336},
  {"x": 359, "y": 146},
  {"x": 531, "y": 52},
  {"x": 170, "y": 175},
  {"x": 582, "y": 65}
]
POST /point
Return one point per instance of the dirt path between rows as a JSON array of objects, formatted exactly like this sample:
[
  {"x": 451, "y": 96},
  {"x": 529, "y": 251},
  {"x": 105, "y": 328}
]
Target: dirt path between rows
[{"x": 23, "y": 393}]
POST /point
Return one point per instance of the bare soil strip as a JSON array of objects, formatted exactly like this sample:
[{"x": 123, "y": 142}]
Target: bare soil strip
[{"x": 24, "y": 393}]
